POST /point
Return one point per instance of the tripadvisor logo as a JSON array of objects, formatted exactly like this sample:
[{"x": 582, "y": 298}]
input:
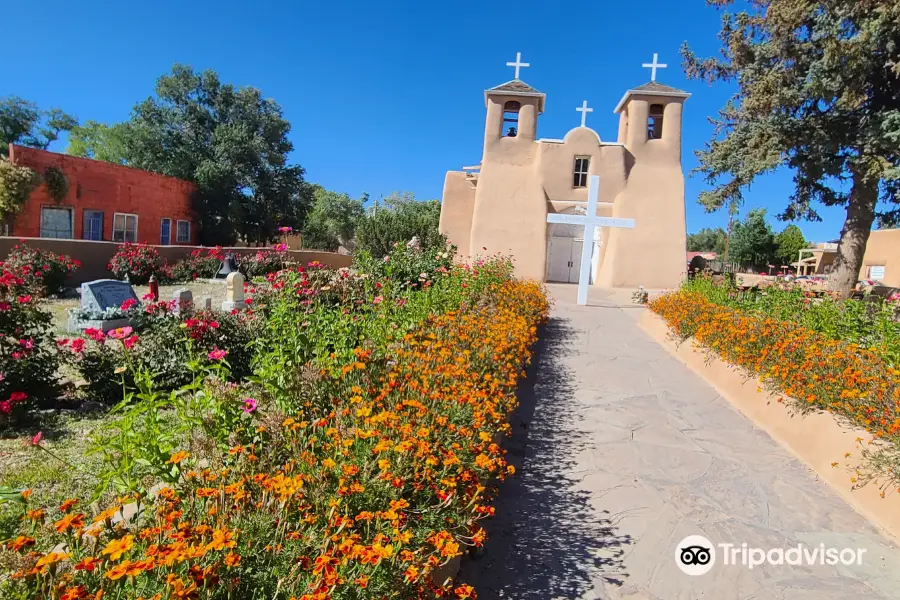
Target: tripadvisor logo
[{"x": 696, "y": 555}]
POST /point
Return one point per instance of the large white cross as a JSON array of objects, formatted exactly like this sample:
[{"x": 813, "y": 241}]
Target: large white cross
[
  {"x": 590, "y": 221},
  {"x": 518, "y": 63},
  {"x": 654, "y": 66},
  {"x": 584, "y": 110}
]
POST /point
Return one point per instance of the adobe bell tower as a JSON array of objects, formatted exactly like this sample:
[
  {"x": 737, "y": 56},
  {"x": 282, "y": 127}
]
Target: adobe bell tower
[{"x": 654, "y": 253}]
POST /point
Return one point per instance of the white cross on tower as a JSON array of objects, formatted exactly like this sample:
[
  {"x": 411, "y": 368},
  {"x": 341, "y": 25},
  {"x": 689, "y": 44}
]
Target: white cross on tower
[
  {"x": 654, "y": 66},
  {"x": 518, "y": 63},
  {"x": 584, "y": 110},
  {"x": 590, "y": 221}
]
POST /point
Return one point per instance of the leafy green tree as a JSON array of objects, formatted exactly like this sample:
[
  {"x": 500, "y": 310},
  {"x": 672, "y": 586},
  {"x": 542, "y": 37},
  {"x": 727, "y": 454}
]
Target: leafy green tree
[
  {"x": 789, "y": 243},
  {"x": 707, "y": 240},
  {"x": 100, "y": 141},
  {"x": 817, "y": 90},
  {"x": 401, "y": 219},
  {"x": 332, "y": 220},
  {"x": 22, "y": 122},
  {"x": 231, "y": 142},
  {"x": 752, "y": 241}
]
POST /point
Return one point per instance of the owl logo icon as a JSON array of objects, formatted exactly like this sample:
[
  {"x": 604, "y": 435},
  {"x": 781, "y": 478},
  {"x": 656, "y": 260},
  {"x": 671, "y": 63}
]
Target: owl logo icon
[{"x": 695, "y": 555}]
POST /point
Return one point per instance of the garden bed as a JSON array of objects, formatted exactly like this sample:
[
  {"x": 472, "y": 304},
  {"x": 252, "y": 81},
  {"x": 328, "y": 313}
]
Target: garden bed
[{"x": 355, "y": 462}]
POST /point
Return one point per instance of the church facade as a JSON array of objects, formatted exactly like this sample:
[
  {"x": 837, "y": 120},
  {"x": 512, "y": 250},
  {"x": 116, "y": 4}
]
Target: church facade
[{"x": 501, "y": 205}]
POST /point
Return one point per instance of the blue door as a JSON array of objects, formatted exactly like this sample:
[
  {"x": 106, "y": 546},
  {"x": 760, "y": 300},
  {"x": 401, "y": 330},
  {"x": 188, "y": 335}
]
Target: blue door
[
  {"x": 165, "y": 232},
  {"x": 92, "y": 228}
]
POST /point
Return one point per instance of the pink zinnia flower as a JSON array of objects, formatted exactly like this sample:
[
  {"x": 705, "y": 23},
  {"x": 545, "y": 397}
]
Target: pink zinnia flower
[
  {"x": 121, "y": 333},
  {"x": 17, "y": 396},
  {"x": 5, "y": 407},
  {"x": 217, "y": 354},
  {"x": 5, "y": 306},
  {"x": 130, "y": 341},
  {"x": 77, "y": 345},
  {"x": 36, "y": 439},
  {"x": 128, "y": 304},
  {"x": 378, "y": 300},
  {"x": 249, "y": 405},
  {"x": 95, "y": 334},
  {"x": 24, "y": 299}
]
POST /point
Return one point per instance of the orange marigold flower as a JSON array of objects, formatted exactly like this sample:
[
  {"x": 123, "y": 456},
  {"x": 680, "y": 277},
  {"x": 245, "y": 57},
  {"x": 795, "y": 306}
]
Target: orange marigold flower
[
  {"x": 88, "y": 563},
  {"x": 67, "y": 505},
  {"x": 177, "y": 457},
  {"x": 119, "y": 571},
  {"x": 116, "y": 548},
  {"x": 73, "y": 521},
  {"x": 19, "y": 543},
  {"x": 232, "y": 559}
]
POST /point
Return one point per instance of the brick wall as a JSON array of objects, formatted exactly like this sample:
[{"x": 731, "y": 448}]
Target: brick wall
[{"x": 100, "y": 186}]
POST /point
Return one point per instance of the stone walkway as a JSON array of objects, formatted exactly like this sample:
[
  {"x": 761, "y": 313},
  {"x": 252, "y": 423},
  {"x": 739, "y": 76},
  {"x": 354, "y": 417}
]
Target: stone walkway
[{"x": 622, "y": 452}]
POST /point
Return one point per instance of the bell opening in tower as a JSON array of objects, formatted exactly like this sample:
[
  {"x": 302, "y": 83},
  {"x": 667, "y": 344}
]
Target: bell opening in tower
[
  {"x": 655, "y": 121},
  {"x": 511, "y": 118}
]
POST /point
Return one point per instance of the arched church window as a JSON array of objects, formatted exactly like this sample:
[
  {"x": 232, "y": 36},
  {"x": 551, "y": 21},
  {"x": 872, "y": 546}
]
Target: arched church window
[
  {"x": 511, "y": 118},
  {"x": 654, "y": 123}
]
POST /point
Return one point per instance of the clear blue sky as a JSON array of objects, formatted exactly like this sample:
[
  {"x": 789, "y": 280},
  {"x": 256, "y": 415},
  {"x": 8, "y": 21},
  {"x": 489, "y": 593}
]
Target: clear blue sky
[{"x": 382, "y": 96}]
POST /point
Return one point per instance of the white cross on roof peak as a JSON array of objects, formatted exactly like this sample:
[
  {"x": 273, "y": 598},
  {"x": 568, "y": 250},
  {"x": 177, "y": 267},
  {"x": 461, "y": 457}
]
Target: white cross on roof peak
[
  {"x": 584, "y": 110},
  {"x": 654, "y": 66},
  {"x": 518, "y": 64}
]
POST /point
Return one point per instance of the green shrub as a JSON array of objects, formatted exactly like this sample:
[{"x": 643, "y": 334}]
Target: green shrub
[
  {"x": 57, "y": 183},
  {"x": 136, "y": 263},
  {"x": 408, "y": 265},
  {"x": 399, "y": 222},
  {"x": 29, "y": 359},
  {"x": 45, "y": 272},
  {"x": 16, "y": 184},
  {"x": 201, "y": 264},
  {"x": 165, "y": 343}
]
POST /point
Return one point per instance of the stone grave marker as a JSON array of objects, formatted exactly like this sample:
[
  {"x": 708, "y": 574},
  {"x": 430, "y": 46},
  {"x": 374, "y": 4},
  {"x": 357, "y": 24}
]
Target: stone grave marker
[
  {"x": 98, "y": 297},
  {"x": 184, "y": 301},
  {"x": 101, "y": 294},
  {"x": 234, "y": 293}
]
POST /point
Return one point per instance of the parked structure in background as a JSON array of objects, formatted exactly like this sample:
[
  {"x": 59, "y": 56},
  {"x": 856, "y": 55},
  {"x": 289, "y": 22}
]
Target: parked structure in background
[
  {"x": 881, "y": 262},
  {"x": 816, "y": 260},
  {"x": 105, "y": 202}
]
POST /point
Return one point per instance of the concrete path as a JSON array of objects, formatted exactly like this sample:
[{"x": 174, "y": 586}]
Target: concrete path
[{"x": 622, "y": 452}]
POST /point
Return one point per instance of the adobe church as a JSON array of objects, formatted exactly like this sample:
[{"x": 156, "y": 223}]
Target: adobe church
[{"x": 501, "y": 206}]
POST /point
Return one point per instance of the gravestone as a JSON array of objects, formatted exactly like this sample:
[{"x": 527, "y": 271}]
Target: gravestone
[
  {"x": 207, "y": 303},
  {"x": 234, "y": 293},
  {"x": 99, "y": 298},
  {"x": 184, "y": 301},
  {"x": 101, "y": 294}
]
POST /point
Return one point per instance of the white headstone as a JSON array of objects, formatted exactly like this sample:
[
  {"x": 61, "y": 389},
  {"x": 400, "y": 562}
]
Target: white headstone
[
  {"x": 184, "y": 300},
  {"x": 590, "y": 221},
  {"x": 234, "y": 293}
]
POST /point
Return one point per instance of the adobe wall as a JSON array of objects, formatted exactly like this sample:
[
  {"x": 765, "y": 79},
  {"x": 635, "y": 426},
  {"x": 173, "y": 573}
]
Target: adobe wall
[
  {"x": 884, "y": 249},
  {"x": 94, "y": 256},
  {"x": 106, "y": 187},
  {"x": 457, "y": 206}
]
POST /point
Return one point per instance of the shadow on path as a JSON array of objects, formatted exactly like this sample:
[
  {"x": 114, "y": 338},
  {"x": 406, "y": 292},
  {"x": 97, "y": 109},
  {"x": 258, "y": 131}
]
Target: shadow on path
[{"x": 546, "y": 540}]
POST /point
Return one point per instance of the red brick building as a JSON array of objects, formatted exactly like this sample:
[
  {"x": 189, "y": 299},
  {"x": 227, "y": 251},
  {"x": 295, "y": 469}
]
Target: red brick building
[{"x": 105, "y": 202}]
